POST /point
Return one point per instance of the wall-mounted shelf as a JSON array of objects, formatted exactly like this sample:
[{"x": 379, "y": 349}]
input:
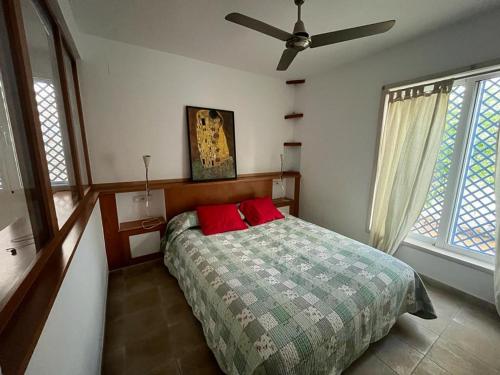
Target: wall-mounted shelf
[
  {"x": 292, "y": 144},
  {"x": 294, "y": 115},
  {"x": 290, "y": 174},
  {"x": 138, "y": 224},
  {"x": 281, "y": 202},
  {"x": 295, "y": 81}
]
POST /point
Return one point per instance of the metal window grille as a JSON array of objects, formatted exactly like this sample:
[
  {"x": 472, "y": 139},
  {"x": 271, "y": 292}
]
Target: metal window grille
[
  {"x": 428, "y": 222},
  {"x": 51, "y": 130},
  {"x": 474, "y": 222}
]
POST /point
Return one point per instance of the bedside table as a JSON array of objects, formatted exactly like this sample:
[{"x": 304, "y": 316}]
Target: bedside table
[
  {"x": 141, "y": 239},
  {"x": 285, "y": 205}
]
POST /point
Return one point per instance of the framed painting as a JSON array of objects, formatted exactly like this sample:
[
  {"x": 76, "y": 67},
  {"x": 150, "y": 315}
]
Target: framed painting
[{"x": 212, "y": 149}]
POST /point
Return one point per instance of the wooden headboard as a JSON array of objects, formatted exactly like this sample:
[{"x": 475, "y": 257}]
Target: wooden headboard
[
  {"x": 180, "y": 195},
  {"x": 187, "y": 196},
  {"x": 183, "y": 195}
]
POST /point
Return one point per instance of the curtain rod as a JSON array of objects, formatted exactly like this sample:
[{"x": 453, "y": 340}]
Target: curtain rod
[{"x": 460, "y": 73}]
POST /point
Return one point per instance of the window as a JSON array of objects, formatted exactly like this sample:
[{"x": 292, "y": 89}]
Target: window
[
  {"x": 75, "y": 117},
  {"x": 23, "y": 210},
  {"x": 459, "y": 212},
  {"x": 41, "y": 180},
  {"x": 55, "y": 120}
]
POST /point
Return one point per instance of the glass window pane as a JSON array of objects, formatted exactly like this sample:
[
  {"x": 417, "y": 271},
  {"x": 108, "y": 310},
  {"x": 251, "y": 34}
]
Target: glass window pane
[
  {"x": 474, "y": 222},
  {"x": 428, "y": 222},
  {"x": 75, "y": 118},
  {"x": 49, "y": 99},
  {"x": 22, "y": 224}
]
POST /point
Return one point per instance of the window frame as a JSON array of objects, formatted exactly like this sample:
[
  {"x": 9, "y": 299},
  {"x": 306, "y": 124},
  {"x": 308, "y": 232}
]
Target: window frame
[
  {"x": 457, "y": 172},
  {"x": 49, "y": 242}
]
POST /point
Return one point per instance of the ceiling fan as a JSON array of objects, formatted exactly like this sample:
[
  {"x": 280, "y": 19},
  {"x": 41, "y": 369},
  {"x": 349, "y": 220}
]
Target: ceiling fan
[{"x": 300, "y": 39}]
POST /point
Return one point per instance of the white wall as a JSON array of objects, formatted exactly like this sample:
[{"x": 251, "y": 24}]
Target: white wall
[
  {"x": 340, "y": 122},
  {"x": 134, "y": 102},
  {"x": 474, "y": 281},
  {"x": 72, "y": 338}
]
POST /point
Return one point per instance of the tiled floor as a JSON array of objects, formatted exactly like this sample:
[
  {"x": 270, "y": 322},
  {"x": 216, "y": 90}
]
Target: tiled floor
[{"x": 150, "y": 330}]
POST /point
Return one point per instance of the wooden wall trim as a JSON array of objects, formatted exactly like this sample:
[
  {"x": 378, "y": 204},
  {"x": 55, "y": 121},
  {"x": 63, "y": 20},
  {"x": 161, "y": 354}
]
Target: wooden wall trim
[
  {"x": 119, "y": 187},
  {"x": 23, "y": 318}
]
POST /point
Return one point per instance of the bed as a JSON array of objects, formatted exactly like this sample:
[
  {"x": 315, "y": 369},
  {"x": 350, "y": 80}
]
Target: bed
[{"x": 289, "y": 297}]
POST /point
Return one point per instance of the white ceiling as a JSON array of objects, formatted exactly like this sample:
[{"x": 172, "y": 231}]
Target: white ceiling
[{"x": 197, "y": 29}]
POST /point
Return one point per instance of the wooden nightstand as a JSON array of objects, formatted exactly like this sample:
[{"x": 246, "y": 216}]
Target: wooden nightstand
[
  {"x": 285, "y": 205},
  {"x": 139, "y": 239}
]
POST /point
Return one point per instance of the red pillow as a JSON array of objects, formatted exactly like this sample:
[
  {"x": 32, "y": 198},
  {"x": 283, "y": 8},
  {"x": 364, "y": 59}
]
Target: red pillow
[
  {"x": 219, "y": 218},
  {"x": 260, "y": 210}
]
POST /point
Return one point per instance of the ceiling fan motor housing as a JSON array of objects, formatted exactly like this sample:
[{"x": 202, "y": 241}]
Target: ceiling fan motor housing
[{"x": 300, "y": 40}]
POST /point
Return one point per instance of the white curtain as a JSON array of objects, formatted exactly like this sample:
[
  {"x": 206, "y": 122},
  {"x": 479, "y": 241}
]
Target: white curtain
[
  {"x": 409, "y": 145},
  {"x": 497, "y": 257}
]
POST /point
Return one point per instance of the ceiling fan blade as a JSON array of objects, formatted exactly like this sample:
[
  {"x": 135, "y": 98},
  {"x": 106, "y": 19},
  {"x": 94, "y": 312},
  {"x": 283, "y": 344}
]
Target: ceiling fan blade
[
  {"x": 287, "y": 58},
  {"x": 349, "y": 34},
  {"x": 259, "y": 26}
]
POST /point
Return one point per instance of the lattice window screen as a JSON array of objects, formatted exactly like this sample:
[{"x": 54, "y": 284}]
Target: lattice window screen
[
  {"x": 51, "y": 130},
  {"x": 475, "y": 222},
  {"x": 428, "y": 222}
]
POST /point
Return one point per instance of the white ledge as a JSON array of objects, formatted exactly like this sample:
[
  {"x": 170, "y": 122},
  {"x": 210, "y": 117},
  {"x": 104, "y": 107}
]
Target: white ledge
[{"x": 449, "y": 255}]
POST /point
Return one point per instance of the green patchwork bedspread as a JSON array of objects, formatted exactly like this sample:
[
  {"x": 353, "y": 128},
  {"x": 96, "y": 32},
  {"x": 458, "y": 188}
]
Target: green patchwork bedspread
[{"x": 289, "y": 297}]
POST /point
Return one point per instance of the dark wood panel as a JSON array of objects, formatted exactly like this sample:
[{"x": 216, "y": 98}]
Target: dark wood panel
[
  {"x": 296, "y": 197},
  {"x": 282, "y": 202},
  {"x": 294, "y": 115},
  {"x": 114, "y": 249},
  {"x": 185, "y": 197}
]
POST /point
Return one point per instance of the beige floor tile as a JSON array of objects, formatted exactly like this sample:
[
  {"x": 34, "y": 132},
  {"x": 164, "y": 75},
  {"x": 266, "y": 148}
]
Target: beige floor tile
[
  {"x": 428, "y": 367},
  {"x": 435, "y": 325},
  {"x": 483, "y": 344},
  {"x": 416, "y": 335},
  {"x": 483, "y": 318},
  {"x": 456, "y": 360},
  {"x": 398, "y": 355},
  {"x": 369, "y": 364}
]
